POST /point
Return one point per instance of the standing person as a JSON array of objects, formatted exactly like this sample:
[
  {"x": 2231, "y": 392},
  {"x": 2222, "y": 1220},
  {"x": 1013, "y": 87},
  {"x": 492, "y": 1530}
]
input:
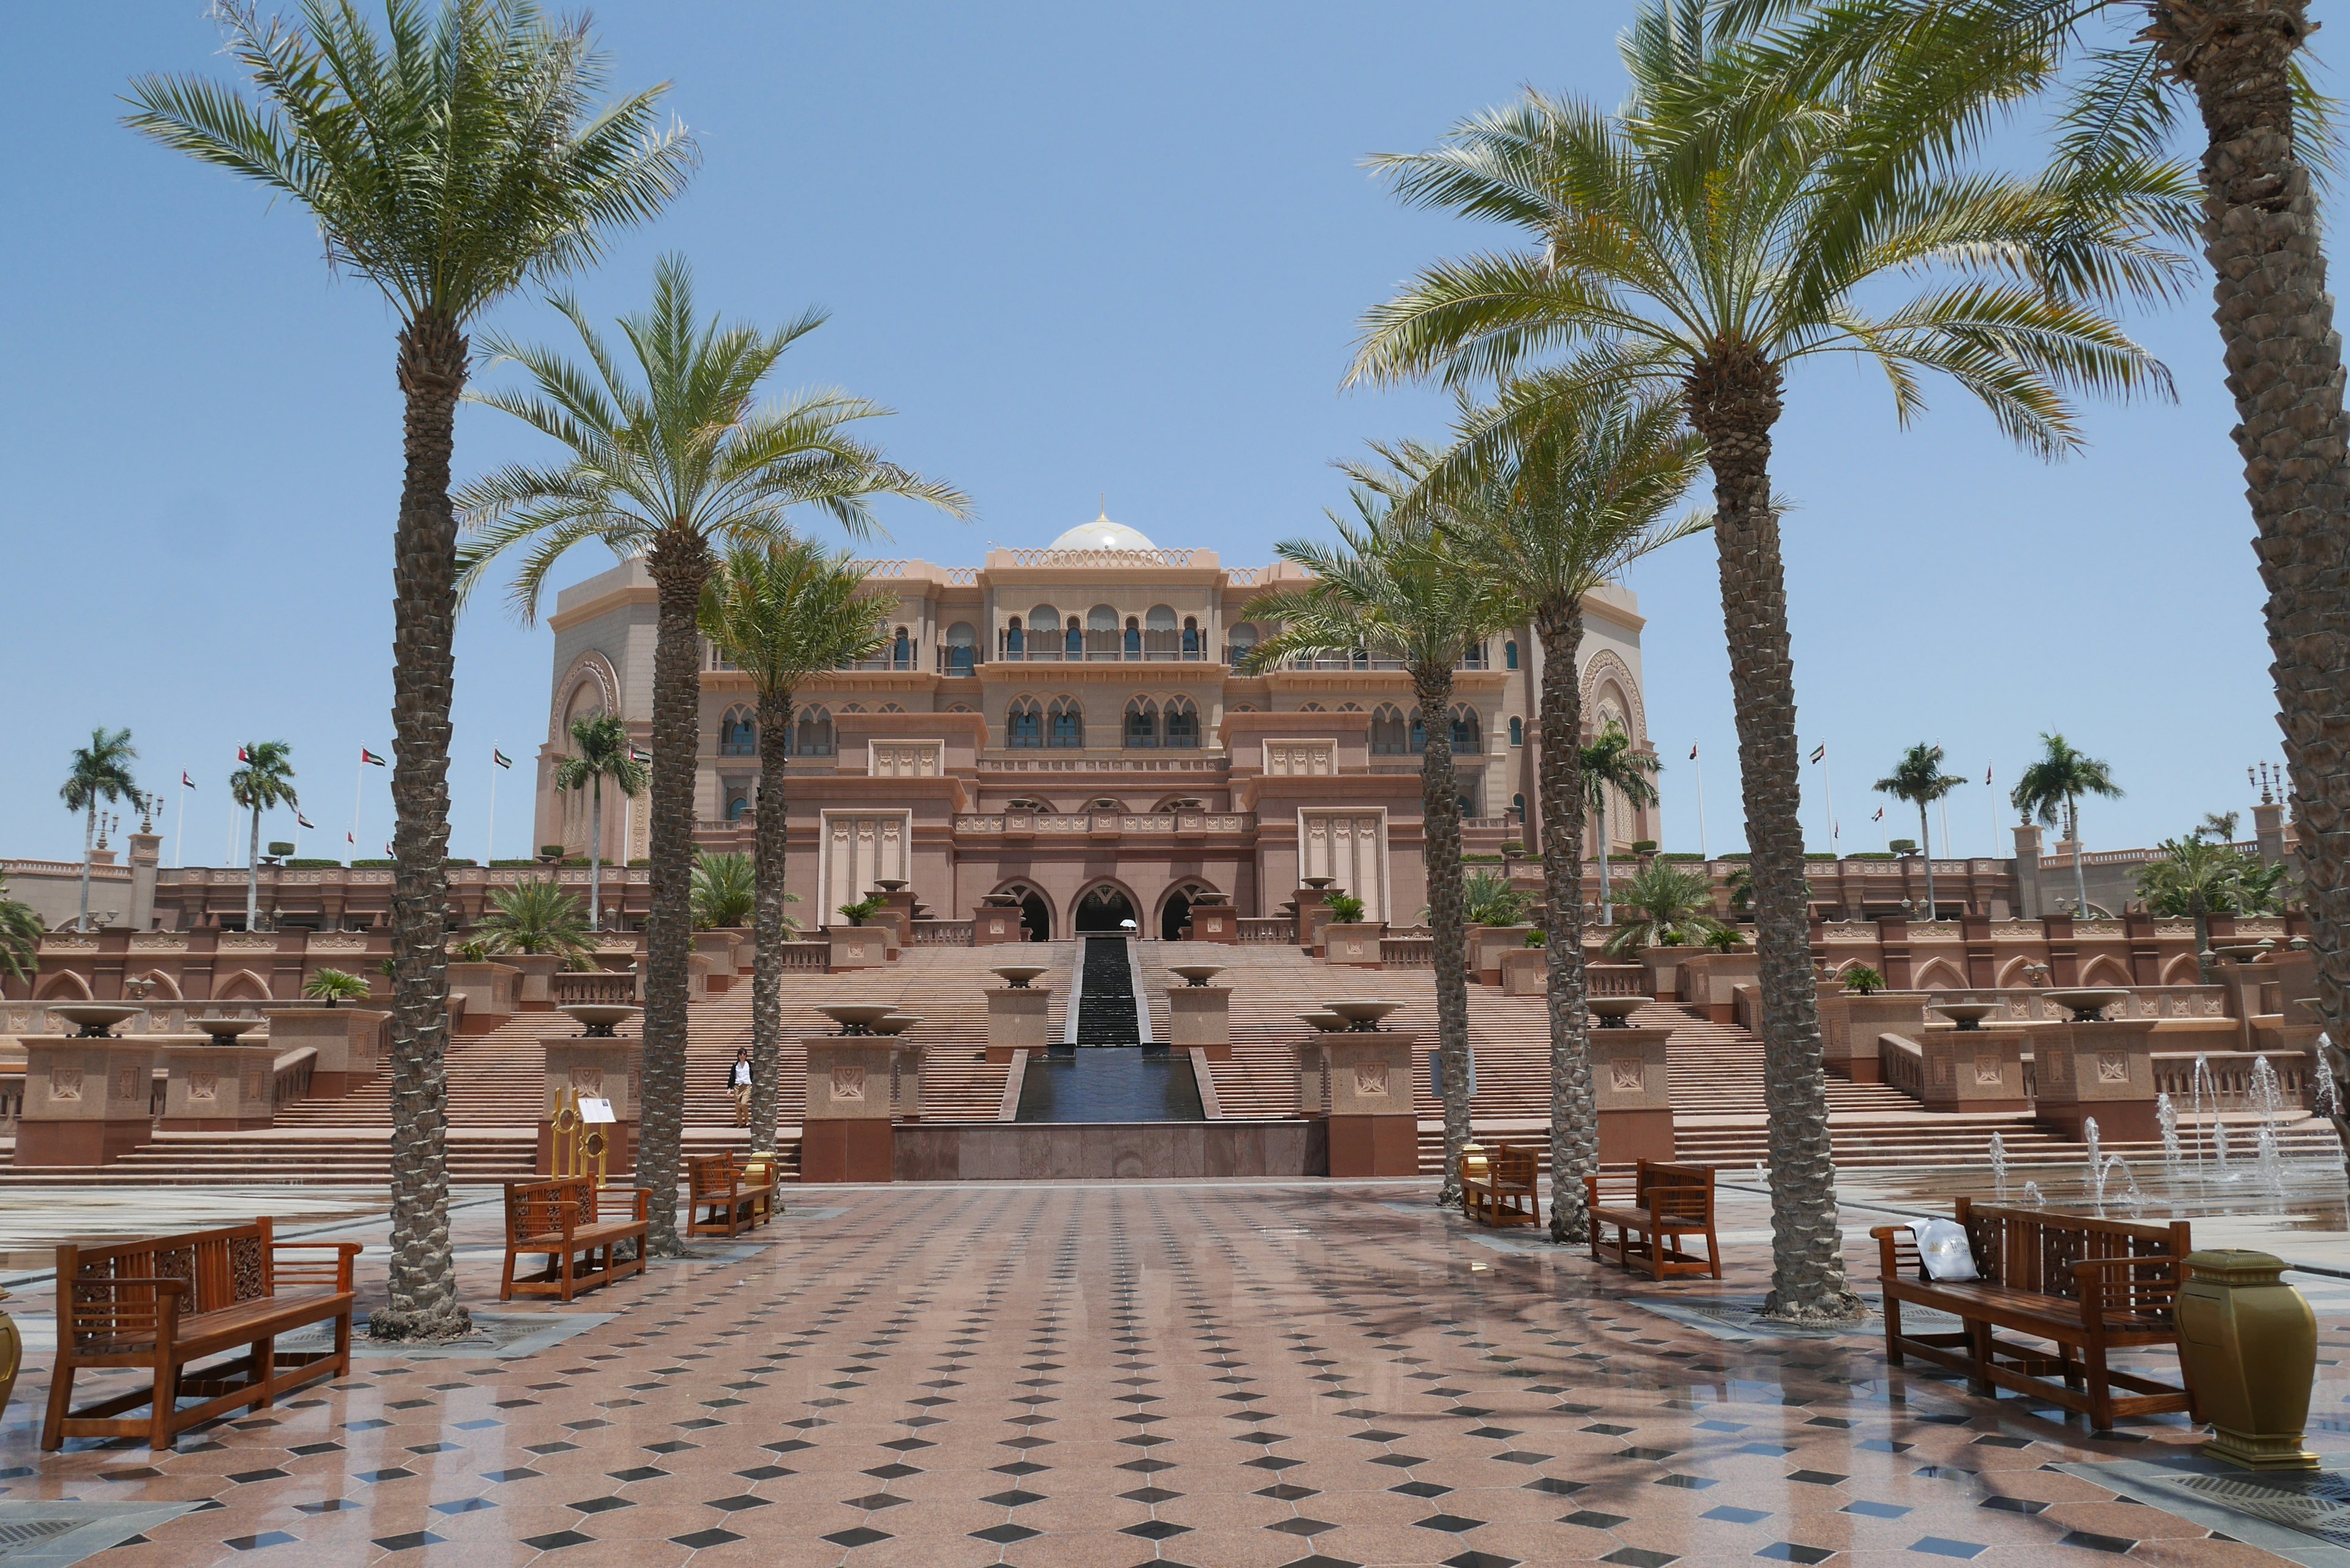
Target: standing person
[{"x": 738, "y": 1080}]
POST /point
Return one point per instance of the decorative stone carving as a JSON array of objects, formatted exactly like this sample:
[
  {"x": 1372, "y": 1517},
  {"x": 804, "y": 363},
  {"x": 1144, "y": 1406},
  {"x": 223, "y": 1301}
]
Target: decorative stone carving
[
  {"x": 1371, "y": 1079},
  {"x": 65, "y": 1083},
  {"x": 1628, "y": 1074},
  {"x": 847, "y": 1083},
  {"x": 203, "y": 1083}
]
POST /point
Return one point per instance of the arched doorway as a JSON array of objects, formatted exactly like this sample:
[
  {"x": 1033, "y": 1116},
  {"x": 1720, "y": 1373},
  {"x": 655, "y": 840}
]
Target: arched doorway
[
  {"x": 1176, "y": 913},
  {"x": 1035, "y": 914},
  {"x": 1103, "y": 908}
]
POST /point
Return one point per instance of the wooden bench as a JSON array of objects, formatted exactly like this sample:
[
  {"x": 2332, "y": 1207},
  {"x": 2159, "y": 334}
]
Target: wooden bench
[
  {"x": 1668, "y": 1203},
  {"x": 563, "y": 1218},
  {"x": 2084, "y": 1286},
  {"x": 160, "y": 1303},
  {"x": 727, "y": 1194},
  {"x": 1504, "y": 1191}
]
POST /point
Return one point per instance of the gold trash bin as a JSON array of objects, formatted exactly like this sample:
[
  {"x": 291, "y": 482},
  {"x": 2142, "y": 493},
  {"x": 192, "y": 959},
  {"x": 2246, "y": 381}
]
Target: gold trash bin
[{"x": 2248, "y": 1346}]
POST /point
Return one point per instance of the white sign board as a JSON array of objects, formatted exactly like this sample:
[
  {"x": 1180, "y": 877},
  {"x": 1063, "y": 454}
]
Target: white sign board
[{"x": 597, "y": 1111}]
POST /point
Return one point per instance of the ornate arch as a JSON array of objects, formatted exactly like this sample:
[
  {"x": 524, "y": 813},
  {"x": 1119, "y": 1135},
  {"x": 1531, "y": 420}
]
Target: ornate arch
[
  {"x": 63, "y": 986},
  {"x": 1926, "y": 980},
  {"x": 590, "y": 666},
  {"x": 2105, "y": 965},
  {"x": 1604, "y": 668},
  {"x": 167, "y": 989},
  {"x": 243, "y": 986},
  {"x": 2015, "y": 971},
  {"x": 2182, "y": 969}
]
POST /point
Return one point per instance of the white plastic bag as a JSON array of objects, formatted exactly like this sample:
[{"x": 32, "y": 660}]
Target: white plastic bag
[{"x": 1943, "y": 1251}]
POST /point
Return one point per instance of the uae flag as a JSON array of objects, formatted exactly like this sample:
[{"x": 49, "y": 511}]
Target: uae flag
[
  {"x": 243, "y": 755},
  {"x": 370, "y": 758},
  {"x": 638, "y": 754},
  {"x": 185, "y": 782},
  {"x": 1692, "y": 754},
  {"x": 303, "y": 821},
  {"x": 1821, "y": 753},
  {"x": 500, "y": 758}
]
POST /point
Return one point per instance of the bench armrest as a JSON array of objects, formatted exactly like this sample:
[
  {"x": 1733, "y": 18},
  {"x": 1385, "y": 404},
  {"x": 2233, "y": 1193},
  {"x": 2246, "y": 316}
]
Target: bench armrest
[
  {"x": 2125, "y": 1287},
  {"x": 110, "y": 1317},
  {"x": 336, "y": 1269},
  {"x": 1888, "y": 1242}
]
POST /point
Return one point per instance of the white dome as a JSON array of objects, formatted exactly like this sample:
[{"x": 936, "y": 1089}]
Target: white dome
[{"x": 1101, "y": 533}]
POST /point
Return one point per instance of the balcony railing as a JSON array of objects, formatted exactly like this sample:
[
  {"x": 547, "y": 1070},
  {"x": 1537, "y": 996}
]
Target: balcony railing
[
  {"x": 1104, "y": 647},
  {"x": 1277, "y": 928},
  {"x": 1084, "y": 823}
]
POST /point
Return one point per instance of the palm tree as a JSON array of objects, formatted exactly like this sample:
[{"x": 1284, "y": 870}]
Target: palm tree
[
  {"x": 20, "y": 938},
  {"x": 2193, "y": 878},
  {"x": 1609, "y": 762},
  {"x": 1488, "y": 899},
  {"x": 673, "y": 464},
  {"x": 2058, "y": 780},
  {"x": 100, "y": 771},
  {"x": 600, "y": 749},
  {"x": 2218, "y": 827},
  {"x": 725, "y": 891},
  {"x": 1918, "y": 779},
  {"x": 538, "y": 915},
  {"x": 447, "y": 161},
  {"x": 1664, "y": 906},
  {"x": 1843, "y": 237},
  {"x": 334, "y": 987},
  {"x": 1552, "y": 494},
  {"x": 1395, "y": 590},
  {"x": 2267, "y": 141},
  {"x": 782, "y": 614},
  {"x": 265, "y": 780}
]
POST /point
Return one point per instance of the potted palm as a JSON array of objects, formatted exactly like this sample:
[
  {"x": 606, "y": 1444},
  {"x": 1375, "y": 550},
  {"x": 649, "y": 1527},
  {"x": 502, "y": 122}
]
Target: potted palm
[
  {"x": 1497, "y": 915},
  {"x": 1350, "y": 938},
  {"x": 536, "y": 927},
  {"x": 858, "y": 945},
  {"x": 1664, "y": 915},
  {"x": 726, "y": 893},
  {"x": 351, "y": 1042},
  {"x": 1850, "y": 1027}
]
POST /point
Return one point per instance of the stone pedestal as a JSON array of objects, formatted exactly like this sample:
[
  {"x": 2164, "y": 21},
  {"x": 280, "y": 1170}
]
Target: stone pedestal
[
  {"x": 86, "y": 1101},
  {"x": 1200, "y": 1016},
  {"x": 595, "y": 1069},
  {"x": 534, "y": 987},
  {"x": 1373, "y": 1128},
  {"x": 1975, "y": 1071},
  {"x": 1490, "y": 947},
  {"x": 897, "y": 914},
  {"x": 718, "y": 948},
  {"x": 1632, "y": 1087},
  {"x": 228, "y": 1088},
  {"x": 846, "y": 1132},
  {"x": 2101, "y": 1070},
  {"x": 1525, "y": 971},
  {"x": 1710, "y": 981},
  {"x": 1663, "y": 965},
  {"x": 992, "y": 925},
  {"x": 906, "y": 1077},
  {"x": 1017, "y": 1020},
  {"x": 697, "y": 977},
  {"x": 1850, "y": 1023},
  {"x": 353, "y": 1043},
  {"x": 1313, "y": 1075},
  {"x": 1215, "y": 923},
  {"x": 492, "y": 993},
  {"x": 1313, "y": 914},
  {"x": 859, "y": 947},
  {"x": 1357, "y": 944}
]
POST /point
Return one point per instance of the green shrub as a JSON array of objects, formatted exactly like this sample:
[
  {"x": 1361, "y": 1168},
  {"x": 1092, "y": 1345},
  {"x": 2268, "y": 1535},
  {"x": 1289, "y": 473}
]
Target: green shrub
[
  {"x": 1862, "y": 981},
  {"x": 305, "y": 863},
  {"x": 1345, "y": 909}
]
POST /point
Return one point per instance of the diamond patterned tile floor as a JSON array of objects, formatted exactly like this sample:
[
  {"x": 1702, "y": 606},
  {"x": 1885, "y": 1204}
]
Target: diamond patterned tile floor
[{"x": 1067, "y": 1377}]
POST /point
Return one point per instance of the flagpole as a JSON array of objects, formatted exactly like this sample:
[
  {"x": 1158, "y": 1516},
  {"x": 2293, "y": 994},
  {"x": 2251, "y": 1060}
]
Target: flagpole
[
  {"x": 1828, "y": 793},
  {"x": 179, "y": 825},
  {"x": 359, "y": 790},
  {"x": 1697, "y": 768},
  {"x": 1990, "y": 810},
  {"x": 491, "y": 852}
]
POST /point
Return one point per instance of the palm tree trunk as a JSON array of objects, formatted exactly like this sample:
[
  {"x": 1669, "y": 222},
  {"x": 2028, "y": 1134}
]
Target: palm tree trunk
[
  {"x": 1734, "y": 400},
  {"x": 595, "y": 855},
  {"x": 89, "y": 848},
  {"x": 1439, "y": 803},
  {"x": 767, "y": 940},
  {"x": 1573, "y": 1120},
  {"x": 2262, "y": 237},
  {"x": 422, "y": 1290},
  {"x": 1606, "y": 908},
  {"x": 2080, "y": 868},
  {"x": 253, "y": 874},
  {"x": 680, "y": 562},
  {"x": 1926, "y": 840}
]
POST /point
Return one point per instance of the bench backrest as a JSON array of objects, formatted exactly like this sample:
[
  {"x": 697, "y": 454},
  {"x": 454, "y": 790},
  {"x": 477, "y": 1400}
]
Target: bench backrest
[
  {"x": 535, "y": 1209},
  {"x": 710, "y": 1173},
  {"x": 1674, "y": 1192},
  {"x": 2033, "y": 1250},
  {"x": 109, "y": 1298}
]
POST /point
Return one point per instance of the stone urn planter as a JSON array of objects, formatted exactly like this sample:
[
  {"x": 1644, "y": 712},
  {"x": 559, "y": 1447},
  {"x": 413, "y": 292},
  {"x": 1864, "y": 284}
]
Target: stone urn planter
[
  {"x": 534, "y": 990},
  {"x": 1352, "y": 944}
]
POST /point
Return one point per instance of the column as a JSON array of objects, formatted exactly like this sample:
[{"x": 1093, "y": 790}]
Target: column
[
  {"x": 1374, "y": 1130},
  {"x": 846, "y": 1134}
]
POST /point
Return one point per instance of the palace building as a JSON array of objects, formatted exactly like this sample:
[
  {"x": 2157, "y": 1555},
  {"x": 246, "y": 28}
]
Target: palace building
[{"x": 1071, "y": 726}]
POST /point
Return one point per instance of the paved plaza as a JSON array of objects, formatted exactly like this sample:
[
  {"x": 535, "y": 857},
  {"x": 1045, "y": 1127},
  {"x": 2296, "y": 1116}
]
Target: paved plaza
[{"x": 1219, "y": 1375}]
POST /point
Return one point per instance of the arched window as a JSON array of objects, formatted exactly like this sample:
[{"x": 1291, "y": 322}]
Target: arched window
[
  {"x": 1182, "y": 723},
  {"x": 1044, "y": 619},
  {"x": 1133, "y": 638},
  {"x": 1388, "y": 738},
  {"x": 1064, "y": 722},
  {"x": 1101, "y": 617},
  {"x": 1073, "y": 641},
  {"x": 812, "y": 734},
  {"x": 1025, "y": 725},
  {"x": 958, "y": 706},
  {"x": 1468, "y": 734},
  {"x": 1105, "y": 803},
  {"x": 1418, "y": 734},
  {"x": 852, "y": 707},
  {"x": 1243, "y": 708},
  {"x": 901, "y": 650},
  {"x": 1510, "y": 654},
  {"x": 1012, "y": 640},
  {"x": 737, "y": 803},
  {"x": 1027, "y": 802},
  {"x": 1142, "y": 724},
  {"x": 1159, "y": 618},
  {"x": 1517, "y": 730},
  {"x": 738, "y": 734},
  {"x": 962, "y": 648},
  {"x": 1190, "y": 637},
  {"x": 1310, "y": 708},
  {"x": 891, "y": 707},
  {"x": 1174, "y": 804},
  {"x": 1518, "y": 807},
  {"x": 1239, "y": 640}
]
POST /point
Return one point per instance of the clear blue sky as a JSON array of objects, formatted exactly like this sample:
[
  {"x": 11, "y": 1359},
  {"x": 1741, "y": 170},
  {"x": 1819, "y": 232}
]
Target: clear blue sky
[{"x": 1082, "y": 249}]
